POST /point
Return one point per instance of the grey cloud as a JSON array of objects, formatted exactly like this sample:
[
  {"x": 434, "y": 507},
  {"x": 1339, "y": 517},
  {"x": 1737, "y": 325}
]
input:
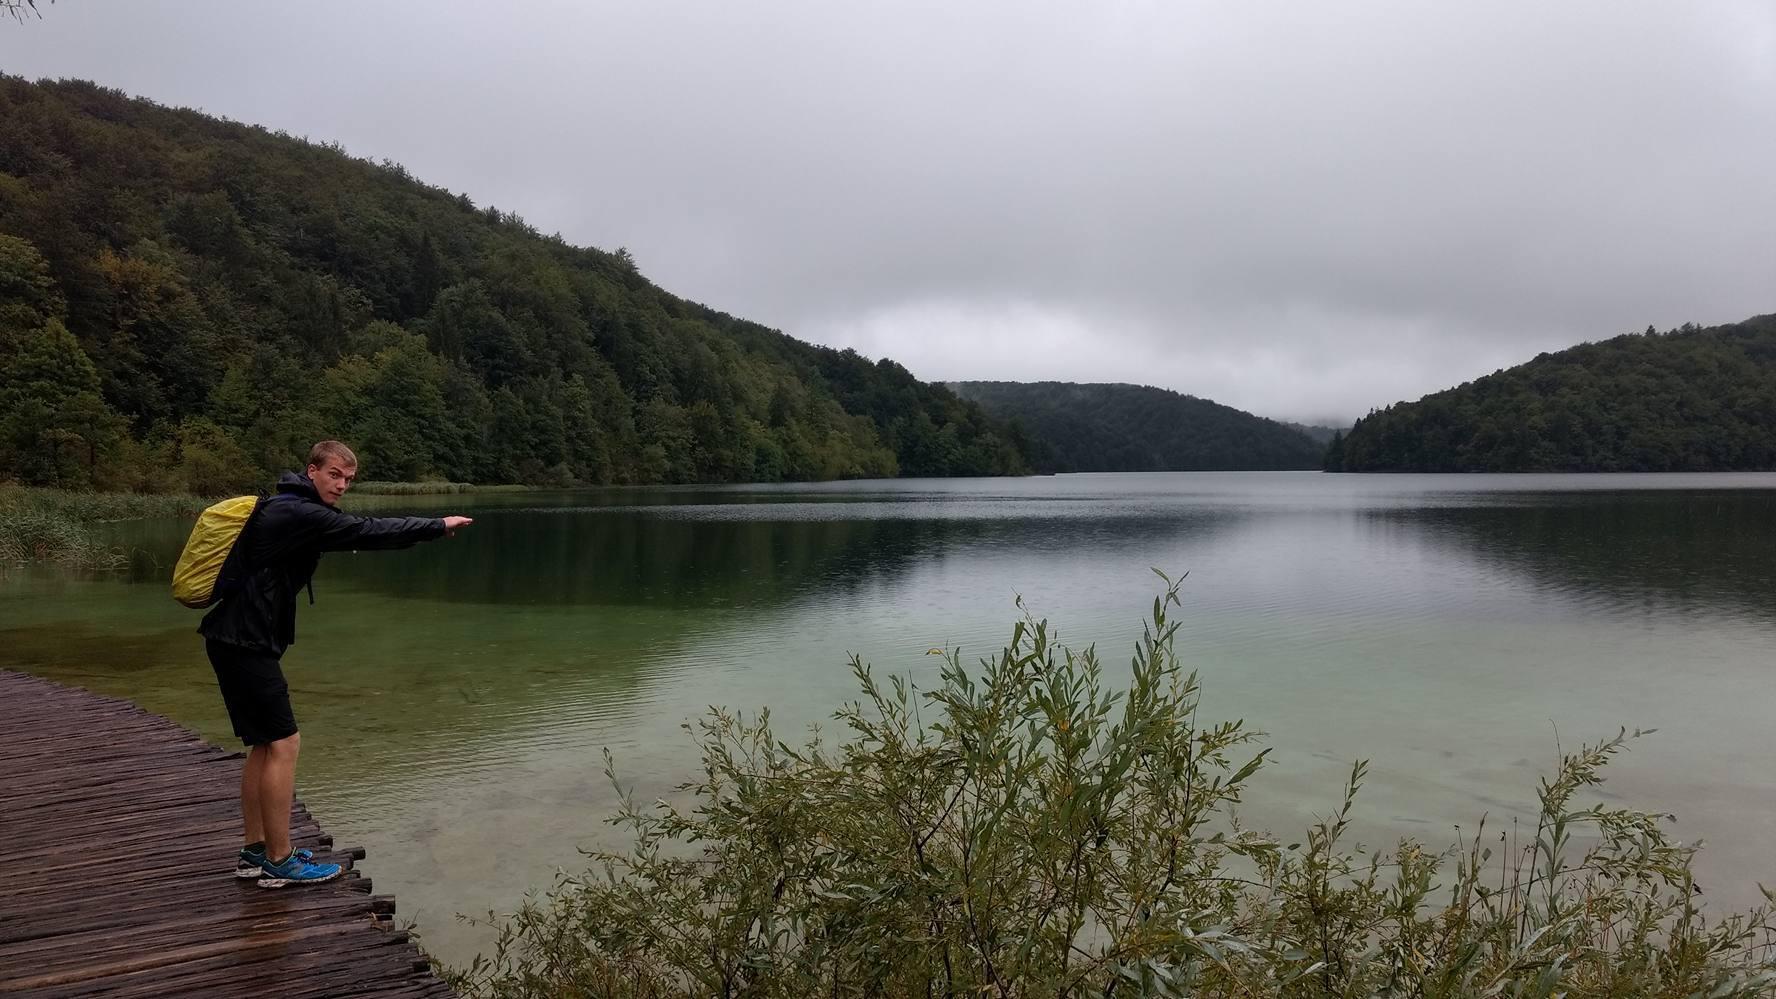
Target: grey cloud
[{"x": 1302, "y": 209}]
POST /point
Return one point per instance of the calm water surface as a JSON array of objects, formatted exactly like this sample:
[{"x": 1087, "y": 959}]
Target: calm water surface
[{"x": 455, "y": 698}]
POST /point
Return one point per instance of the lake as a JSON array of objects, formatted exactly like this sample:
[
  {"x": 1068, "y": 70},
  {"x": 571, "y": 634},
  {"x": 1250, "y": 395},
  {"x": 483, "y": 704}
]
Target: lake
[{"x": 1454, "y": 630}]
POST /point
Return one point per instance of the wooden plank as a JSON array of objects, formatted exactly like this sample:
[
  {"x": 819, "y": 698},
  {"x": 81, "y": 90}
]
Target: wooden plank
[
  {"x": 118, "y": 833},
  {"x": 329, "y": 973},
  {"x": 205, "y": 829},
  {"x": 142, "y": 958},
  {"x": 76, "y": 916}
]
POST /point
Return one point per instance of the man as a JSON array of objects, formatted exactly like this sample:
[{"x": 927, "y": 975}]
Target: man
[{"x": 246, "y": 635}]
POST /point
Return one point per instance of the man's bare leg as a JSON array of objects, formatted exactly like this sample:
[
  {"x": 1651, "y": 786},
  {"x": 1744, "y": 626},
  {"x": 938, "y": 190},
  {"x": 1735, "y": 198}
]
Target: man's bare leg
[
  {"x": 252, "y": 774},
  {"x": 277, "y": 786}
]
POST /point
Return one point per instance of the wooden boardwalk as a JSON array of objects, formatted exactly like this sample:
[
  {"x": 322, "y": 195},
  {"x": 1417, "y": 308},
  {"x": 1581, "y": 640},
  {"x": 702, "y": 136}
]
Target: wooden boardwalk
[{"x": 118, "y": 830}]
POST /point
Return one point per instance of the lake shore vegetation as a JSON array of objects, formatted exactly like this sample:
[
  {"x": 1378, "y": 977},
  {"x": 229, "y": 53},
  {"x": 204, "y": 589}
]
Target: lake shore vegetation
[
  {"x": 63, "y": 526},
  {"x": 428, "y": 488},
  {"x": 1038, "y": 827}
]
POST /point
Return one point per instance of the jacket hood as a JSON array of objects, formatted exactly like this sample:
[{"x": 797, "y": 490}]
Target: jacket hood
[{"x": 301, "y": 485}]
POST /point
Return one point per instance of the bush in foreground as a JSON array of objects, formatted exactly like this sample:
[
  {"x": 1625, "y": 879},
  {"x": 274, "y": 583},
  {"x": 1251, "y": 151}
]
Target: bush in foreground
[{"x": 1028, "y": 830}]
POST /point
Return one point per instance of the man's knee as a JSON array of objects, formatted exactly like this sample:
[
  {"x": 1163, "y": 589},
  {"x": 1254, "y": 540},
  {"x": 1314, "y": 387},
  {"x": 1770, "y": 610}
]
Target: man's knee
[{"x": 285, "y": 748}]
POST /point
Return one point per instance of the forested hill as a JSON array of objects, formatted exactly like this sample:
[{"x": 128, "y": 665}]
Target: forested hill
[
  {"x": 1688, "y": 400},
  {"x": 1321, "y": 434},
  {"x": 1134, "y": 428},
  {"x": 187, "y": 303}
]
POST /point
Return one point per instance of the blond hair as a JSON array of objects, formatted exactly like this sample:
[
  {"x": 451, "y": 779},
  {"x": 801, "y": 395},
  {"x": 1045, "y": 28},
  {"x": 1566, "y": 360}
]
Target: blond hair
[{"x": 318, "y": 455}]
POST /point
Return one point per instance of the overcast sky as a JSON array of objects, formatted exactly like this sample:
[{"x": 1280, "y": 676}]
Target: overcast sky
[{"x": 1301, "y": 209}]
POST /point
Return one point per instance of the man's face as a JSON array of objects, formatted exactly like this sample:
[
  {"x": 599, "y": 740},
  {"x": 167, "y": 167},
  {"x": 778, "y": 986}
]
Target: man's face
[{"x": 332, "y": 479}]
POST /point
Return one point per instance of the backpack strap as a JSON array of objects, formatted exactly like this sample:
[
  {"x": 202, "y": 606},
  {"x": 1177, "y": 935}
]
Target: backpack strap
[{"x": 238, "y": 566}]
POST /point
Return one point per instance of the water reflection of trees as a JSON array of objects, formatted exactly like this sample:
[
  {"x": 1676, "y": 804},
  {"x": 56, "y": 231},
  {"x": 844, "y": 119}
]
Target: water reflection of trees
[
  {"x": 1685, "y": 551},
  {"x": 640, "y": 557}
]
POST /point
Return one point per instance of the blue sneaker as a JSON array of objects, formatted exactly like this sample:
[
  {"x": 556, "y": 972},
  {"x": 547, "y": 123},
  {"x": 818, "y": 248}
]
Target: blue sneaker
[
  {"x": 247, "y": 866},
  {"x": 295, "y": 871}
]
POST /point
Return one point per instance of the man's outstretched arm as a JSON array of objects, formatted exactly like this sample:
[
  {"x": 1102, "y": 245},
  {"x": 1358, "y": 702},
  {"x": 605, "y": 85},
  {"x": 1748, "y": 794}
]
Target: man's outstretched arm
[{"x": 335, "y": 531}]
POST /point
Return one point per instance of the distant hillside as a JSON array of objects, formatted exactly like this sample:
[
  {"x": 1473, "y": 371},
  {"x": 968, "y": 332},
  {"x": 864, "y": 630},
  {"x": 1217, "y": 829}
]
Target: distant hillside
[
  {"x": 187, "y": 302},
  {"x": 1688, "y": 400},
  {"x": 1320, "y": 435},
  {"x": 1132, "y": 428}
]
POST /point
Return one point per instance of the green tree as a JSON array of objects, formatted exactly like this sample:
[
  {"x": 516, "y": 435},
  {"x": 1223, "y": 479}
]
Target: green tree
[
  {"x": 54, "y": 428},
  {"x": 28, "y": 295},
  {"x": 161, "y": 353},
  {"x": 390, "y": 404},
  {"x": 273, "y": 405},
  {"x": 215, "y": 270},
  {"x": 208, "y": 461},
  {"x": 1690, "y": 400}
]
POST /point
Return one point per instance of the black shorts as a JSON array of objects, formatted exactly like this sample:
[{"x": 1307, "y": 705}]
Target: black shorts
[{"x": 253, "y": 687}]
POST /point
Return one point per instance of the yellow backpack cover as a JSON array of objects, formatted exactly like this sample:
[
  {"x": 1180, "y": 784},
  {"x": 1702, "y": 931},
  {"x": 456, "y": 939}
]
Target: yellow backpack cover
[{"x": 200, "y": 564}]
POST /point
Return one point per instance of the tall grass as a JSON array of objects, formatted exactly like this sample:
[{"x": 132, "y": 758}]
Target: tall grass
[
  {"x": 428, "y": 488},
  {"x": 55, "y": 525},
  {"x": 93, "y": 508},
  {"x": 374, "y": 488},
  {"x": 28, "y": 535},
  {"x": 61, "y": 526},
  {"x": 1030, "y": 828}
]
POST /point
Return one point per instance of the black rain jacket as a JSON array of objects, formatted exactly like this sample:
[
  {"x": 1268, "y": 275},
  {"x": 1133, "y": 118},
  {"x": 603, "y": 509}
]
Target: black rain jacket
[{"x": 279, "y": 549}]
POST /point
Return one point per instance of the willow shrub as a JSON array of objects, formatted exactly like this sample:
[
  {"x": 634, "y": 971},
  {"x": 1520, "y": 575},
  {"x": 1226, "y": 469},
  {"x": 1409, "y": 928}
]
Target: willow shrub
[{"x": 1029, "y": 829}]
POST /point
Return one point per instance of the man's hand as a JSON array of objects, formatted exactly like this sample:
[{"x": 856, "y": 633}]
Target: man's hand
[{"x": 452, "y": 523}]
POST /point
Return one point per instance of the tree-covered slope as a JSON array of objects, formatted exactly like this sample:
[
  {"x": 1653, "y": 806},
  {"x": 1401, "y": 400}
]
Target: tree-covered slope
[
  {"x": 188, "y": 302},
  {"x": 1320, "y": 433},
  {"x": 1688, "y": 400},
  {"x": 1077, "y": 427}
]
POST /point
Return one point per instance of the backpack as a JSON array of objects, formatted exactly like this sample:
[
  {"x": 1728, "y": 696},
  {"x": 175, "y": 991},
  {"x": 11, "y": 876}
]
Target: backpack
[{"x": 205, "y": 572}]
